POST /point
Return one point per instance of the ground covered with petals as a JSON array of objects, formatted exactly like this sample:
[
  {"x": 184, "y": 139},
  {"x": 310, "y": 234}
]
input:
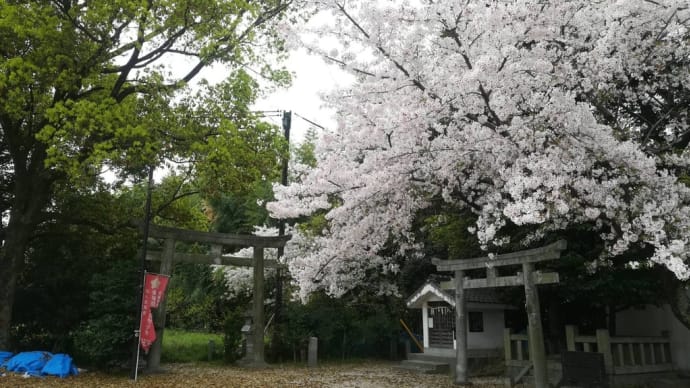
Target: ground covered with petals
[{"x": 360, "y": 375}]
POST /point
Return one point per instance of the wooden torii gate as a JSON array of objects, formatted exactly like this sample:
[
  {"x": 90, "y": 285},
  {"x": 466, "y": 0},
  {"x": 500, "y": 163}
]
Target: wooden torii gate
[
  {"x": 216, "y": 240},
  {"x": 529, "y": 278}
]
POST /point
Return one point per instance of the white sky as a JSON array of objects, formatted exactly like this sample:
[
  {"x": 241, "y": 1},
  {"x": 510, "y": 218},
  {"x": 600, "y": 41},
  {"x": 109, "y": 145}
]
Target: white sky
[{"x": 311, "y": 77}]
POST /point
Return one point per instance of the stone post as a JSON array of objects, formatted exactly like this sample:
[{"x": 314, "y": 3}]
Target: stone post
[
  {"x": 570, "y": 334},
  {"x": 211, "y": 349},
  {"x": 313, "y": 352},
  {"x": 248, "y": 338},
  {"x": 604, "y": 347},
  {"x": 507, "y": 344}
]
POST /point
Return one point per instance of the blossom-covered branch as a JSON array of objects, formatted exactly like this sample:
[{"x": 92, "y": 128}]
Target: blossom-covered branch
[{"x": 543, "y": 114}]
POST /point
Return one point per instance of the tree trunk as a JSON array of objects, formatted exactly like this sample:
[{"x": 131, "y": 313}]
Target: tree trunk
[
  {"x": 678, "y": 297},
  {"x": 11, "y": 263},
  {"x": 8, "y": 281},
  {"x": 31, "y": 194},
  {"x": 612, "y": 319}
]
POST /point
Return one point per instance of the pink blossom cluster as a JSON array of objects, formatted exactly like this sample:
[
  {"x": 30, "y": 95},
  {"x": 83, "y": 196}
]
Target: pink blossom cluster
[{"x": 526, "y": 112}]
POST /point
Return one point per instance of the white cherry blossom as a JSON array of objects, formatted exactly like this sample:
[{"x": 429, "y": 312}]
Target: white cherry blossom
[{"x": 525, "y": 112}]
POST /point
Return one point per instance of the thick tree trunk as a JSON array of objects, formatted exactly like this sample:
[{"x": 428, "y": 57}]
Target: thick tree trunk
[
  {"x": 611, "y": 313},
  {"x": 8, "y": 280},
  {"x": 11, "y": 261},
  {"x": 31, "y": 195},
  {"x": 678, "y": 297}
]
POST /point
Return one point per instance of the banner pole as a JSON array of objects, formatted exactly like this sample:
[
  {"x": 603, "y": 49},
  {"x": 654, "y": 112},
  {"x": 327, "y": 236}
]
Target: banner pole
[
  {"x": 138, "y": 335},
  {"x": 142, "y": 266}
]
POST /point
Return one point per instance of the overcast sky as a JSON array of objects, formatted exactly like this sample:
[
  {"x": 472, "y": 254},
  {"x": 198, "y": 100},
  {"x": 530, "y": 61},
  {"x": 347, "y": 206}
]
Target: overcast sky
[{"x": 312, "y": 76}]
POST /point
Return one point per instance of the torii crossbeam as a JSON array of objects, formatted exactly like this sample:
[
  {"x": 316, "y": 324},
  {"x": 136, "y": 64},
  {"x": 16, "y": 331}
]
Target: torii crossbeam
[{"x": 528, "y": 278}]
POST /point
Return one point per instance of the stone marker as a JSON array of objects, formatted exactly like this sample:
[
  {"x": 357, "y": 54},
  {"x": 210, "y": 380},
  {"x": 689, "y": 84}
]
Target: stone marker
[
  {"x": 211, "y": 349},
  {"x": 313, "y": 351}
]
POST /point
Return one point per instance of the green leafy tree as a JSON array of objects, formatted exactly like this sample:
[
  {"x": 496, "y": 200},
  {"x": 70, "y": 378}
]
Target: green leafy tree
[
  {"x": 240, "y": 213},
  {"x": 89, "y": 234},
  {"x": 85, "y": 238},
  {"x": 103, "y": 339},
  {"x": 84, "y": 85},
  {"x": 356, "y": 325},
  {"x": 305, "y": 152},
  {"x": 194, "y": 300}
]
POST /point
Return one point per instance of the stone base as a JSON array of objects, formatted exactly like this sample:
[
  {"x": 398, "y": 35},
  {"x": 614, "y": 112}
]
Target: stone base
[
  {"x": 154, "y": 371},
  {"x": 253, "y": 364}
]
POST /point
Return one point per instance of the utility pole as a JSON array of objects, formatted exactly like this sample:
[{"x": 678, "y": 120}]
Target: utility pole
[{"x": 287, "y": 124}]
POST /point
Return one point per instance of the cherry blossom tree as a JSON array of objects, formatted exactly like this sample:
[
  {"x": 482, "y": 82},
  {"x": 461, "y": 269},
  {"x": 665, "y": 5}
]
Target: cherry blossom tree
[
  {"x": 240, "y": 280},
  {"x": 527, "y": 113}
]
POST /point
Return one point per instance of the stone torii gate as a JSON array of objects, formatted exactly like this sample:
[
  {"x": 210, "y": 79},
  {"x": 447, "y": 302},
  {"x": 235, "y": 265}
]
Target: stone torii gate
[
  {"x": 216, "y": 240},
  {"x": 529, "y": 278}
]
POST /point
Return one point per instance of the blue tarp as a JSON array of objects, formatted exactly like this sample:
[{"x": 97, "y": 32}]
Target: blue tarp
[
  {"x": 28, "y": 362},
  {"x": 40, "y": 364},
  {"x": 60, "y": 365}
]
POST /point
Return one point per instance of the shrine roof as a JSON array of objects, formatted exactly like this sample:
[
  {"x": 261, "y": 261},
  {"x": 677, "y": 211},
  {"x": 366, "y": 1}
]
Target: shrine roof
[{"x": 431, "y": 289}]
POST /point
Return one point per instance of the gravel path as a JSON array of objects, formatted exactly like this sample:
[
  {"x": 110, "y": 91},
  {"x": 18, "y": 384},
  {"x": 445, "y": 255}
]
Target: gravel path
[{"x": 361, "y": 375}]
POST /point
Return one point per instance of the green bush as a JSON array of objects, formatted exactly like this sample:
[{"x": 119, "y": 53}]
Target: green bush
[
  {"x": 105, "y": 339},
  {"x": 52, "y": 295},
  {"x": 232, "y": 340},
  {"x": 346, "y": 328},
  {"x": 194, "y": 298}
]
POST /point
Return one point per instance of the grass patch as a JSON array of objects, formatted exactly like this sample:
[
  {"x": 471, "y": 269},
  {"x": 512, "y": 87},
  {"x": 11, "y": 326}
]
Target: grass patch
[{"x": 186, "y": 346}]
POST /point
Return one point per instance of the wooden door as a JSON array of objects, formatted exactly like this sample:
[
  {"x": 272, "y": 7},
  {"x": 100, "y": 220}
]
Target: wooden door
[{"x": 441, "y": 325}]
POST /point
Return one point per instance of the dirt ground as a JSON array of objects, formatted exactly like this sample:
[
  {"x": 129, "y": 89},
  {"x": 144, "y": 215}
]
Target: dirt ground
[{"x": 363, "y": 375}]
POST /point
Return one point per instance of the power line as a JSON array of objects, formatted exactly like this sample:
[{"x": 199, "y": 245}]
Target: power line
[
  {"x": 281, "y": 113},
  {"x": 309, "y": 121},
  {"x": 269, "y": 113}
]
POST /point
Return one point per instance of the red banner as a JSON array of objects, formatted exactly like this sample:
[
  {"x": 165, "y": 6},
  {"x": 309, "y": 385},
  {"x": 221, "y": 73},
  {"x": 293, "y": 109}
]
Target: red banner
[{"x": 154, "y": 290}]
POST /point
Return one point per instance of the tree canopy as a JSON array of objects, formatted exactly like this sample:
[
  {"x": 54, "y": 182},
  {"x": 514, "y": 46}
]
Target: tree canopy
[
  {"x": 541, "y": 115},
  {"x": 89, "y": 86}
]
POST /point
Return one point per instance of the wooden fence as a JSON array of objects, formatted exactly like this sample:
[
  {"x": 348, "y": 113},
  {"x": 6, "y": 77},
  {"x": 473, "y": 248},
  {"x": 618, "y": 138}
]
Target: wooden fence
[
  {"x": 516, "y": 348},
  {"x": 622, "y": 355}
]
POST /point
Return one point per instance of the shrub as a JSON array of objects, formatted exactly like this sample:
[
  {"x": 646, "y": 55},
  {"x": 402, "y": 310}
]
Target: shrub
[
  {"x": 194, "y": 298},
  {"x": 232, "y": 339},
  {"x": 105, "y": 339}
]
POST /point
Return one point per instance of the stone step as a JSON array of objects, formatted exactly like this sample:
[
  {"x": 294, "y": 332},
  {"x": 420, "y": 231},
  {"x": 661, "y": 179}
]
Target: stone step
[
  {"x": 429, "y": 367},
  {"x": 554, "y": 377},
  {"x": 431, "y": 357}
]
